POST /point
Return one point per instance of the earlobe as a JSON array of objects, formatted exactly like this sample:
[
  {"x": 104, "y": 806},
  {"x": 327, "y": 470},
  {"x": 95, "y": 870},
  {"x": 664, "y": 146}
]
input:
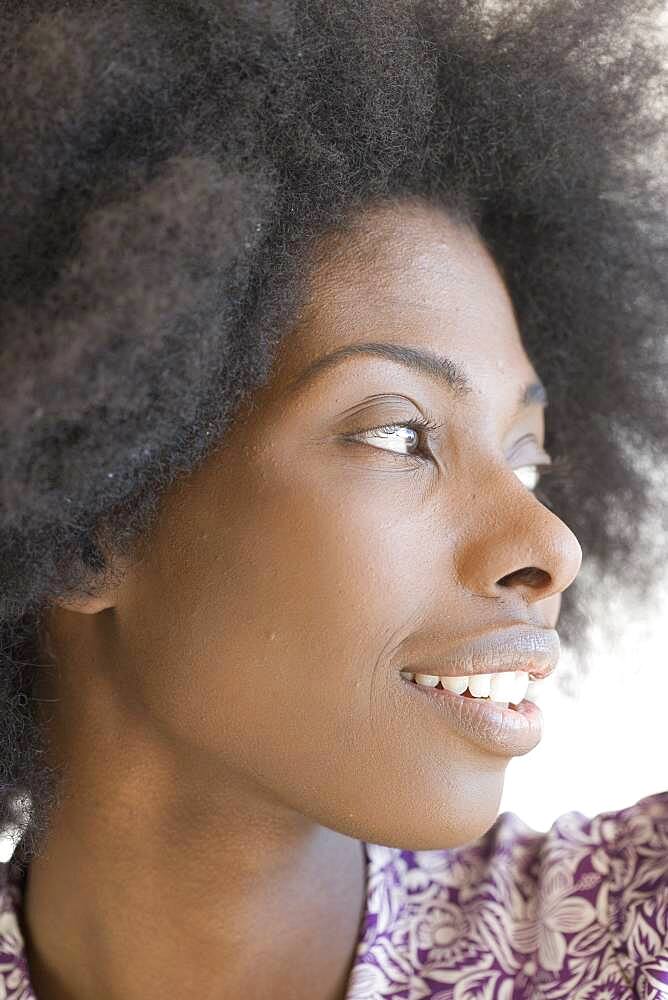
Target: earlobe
[
  {"x": 105, "y": 588},
  {"x": 101, "y": 595},
  {"x": 86, "y": 604}
]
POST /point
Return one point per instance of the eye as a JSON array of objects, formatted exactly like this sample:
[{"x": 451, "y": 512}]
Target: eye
[
  {"x": 530, "y": 475},
  {"x": 411, "y": 434}
]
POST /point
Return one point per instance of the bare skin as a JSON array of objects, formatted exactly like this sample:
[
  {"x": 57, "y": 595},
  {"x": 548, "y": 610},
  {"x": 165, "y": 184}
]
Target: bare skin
[{"x": 230, "y": 719}]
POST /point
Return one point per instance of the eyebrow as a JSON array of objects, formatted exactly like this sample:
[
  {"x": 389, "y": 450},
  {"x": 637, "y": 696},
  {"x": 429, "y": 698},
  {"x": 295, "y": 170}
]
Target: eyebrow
[{"x": 434, "y": 366}]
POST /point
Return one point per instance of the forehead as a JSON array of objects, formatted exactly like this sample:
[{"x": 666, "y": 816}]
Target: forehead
[{"x": 406, "y": 273}]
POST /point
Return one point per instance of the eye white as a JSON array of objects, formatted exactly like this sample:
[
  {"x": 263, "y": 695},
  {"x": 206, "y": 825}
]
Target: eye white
[
  {"x": 382, "y": 434},
  {"x": 529, "y": 475}
]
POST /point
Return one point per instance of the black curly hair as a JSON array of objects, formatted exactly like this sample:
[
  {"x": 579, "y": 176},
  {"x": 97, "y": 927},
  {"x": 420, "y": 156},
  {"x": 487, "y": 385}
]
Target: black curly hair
[{"x": 166, "y": 169}]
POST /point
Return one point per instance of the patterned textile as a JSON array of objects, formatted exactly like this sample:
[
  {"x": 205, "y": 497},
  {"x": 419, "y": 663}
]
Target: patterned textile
[{"x": 579, "y": 912}]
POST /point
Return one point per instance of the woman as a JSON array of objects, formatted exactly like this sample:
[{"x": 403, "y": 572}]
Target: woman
[{"x": 325, "y": 330}]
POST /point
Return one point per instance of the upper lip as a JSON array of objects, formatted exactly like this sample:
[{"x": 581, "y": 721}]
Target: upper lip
[{"x": 535, "y": 650}]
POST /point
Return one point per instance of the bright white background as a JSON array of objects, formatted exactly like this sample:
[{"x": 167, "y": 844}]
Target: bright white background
[{"x": 607, "y": 746}]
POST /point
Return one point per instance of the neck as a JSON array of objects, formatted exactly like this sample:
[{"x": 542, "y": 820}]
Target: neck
[{"x": 149, "y": 884}]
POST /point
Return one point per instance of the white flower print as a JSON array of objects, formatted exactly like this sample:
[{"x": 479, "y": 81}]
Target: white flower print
[
  {"x": 577, "y": 913},
  {"x": 14, "y": 980}
]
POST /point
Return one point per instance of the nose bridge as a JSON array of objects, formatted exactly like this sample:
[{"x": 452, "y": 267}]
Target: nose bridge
[{"x": 513, "y": 540}]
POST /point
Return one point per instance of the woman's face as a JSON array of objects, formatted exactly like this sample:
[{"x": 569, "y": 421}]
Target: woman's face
[{"x": 290, "y": 579}]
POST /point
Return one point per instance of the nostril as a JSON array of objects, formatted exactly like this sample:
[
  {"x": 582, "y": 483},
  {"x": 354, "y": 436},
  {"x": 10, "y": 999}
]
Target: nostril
[{"x": 530, "y": 575}]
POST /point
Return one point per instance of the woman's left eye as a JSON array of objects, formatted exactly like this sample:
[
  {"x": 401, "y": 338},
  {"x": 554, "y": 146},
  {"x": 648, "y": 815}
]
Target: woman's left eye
[{"x": 411, "y": 430}]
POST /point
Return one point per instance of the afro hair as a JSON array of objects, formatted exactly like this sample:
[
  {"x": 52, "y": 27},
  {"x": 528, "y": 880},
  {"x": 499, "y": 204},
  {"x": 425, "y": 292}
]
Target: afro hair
[{"x": 166, "y": 170}]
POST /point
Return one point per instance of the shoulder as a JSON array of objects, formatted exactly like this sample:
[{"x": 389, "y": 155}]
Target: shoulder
[
  {"x": 580, "y": 910},
  {"x": 14, "y": 975}
]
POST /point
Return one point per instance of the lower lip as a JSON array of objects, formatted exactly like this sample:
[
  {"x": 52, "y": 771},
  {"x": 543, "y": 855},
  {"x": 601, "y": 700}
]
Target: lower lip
[{"x": 498, "y": 730}]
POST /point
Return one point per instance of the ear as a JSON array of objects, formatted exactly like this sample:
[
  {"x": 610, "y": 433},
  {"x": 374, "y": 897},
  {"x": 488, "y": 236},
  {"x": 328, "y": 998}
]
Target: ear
[
  {"x": 104, "y": 590},
  {"x": 85, "y": 604}
]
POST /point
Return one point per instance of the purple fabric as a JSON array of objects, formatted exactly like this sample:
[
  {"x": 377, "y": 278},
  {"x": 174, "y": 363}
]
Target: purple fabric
[{"x": 579, "y": 912}]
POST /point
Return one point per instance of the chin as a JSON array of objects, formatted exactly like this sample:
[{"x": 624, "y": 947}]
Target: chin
[{"x": 465, "y": 810}]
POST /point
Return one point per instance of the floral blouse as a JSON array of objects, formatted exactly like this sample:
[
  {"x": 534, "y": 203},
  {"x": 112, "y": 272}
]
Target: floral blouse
[{"x": 579, "y": 912}]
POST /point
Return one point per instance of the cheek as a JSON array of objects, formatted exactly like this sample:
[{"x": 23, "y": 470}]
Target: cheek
[{"x": 265, "y": 630}]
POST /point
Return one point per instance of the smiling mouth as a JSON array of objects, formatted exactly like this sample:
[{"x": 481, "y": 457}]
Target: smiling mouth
[
  {"x": 500, "y": 727},
  {"x": 506, "y": 688}
]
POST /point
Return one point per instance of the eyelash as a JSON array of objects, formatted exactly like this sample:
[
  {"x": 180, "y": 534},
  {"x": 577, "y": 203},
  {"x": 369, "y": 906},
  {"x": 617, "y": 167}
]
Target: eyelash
[
  {"x": 422, "y": 425},
  {"x": 417, "y": 423}
]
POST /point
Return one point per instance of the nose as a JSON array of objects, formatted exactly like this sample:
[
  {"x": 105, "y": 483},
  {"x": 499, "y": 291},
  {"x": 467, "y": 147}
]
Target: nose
[{"x": 518, "y": 544}]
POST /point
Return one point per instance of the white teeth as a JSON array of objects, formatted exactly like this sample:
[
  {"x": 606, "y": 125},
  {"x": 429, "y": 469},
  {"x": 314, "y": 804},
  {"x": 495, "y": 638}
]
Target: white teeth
[
  {"x": 457, "y": 685},
  {"x": 480, "y": 685},
  {"x": 521, "y": 686},
  {"x": 502, "y": 687},
  {"x": 429, "y": 680},
  {"x": 506, "y": 688}
]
